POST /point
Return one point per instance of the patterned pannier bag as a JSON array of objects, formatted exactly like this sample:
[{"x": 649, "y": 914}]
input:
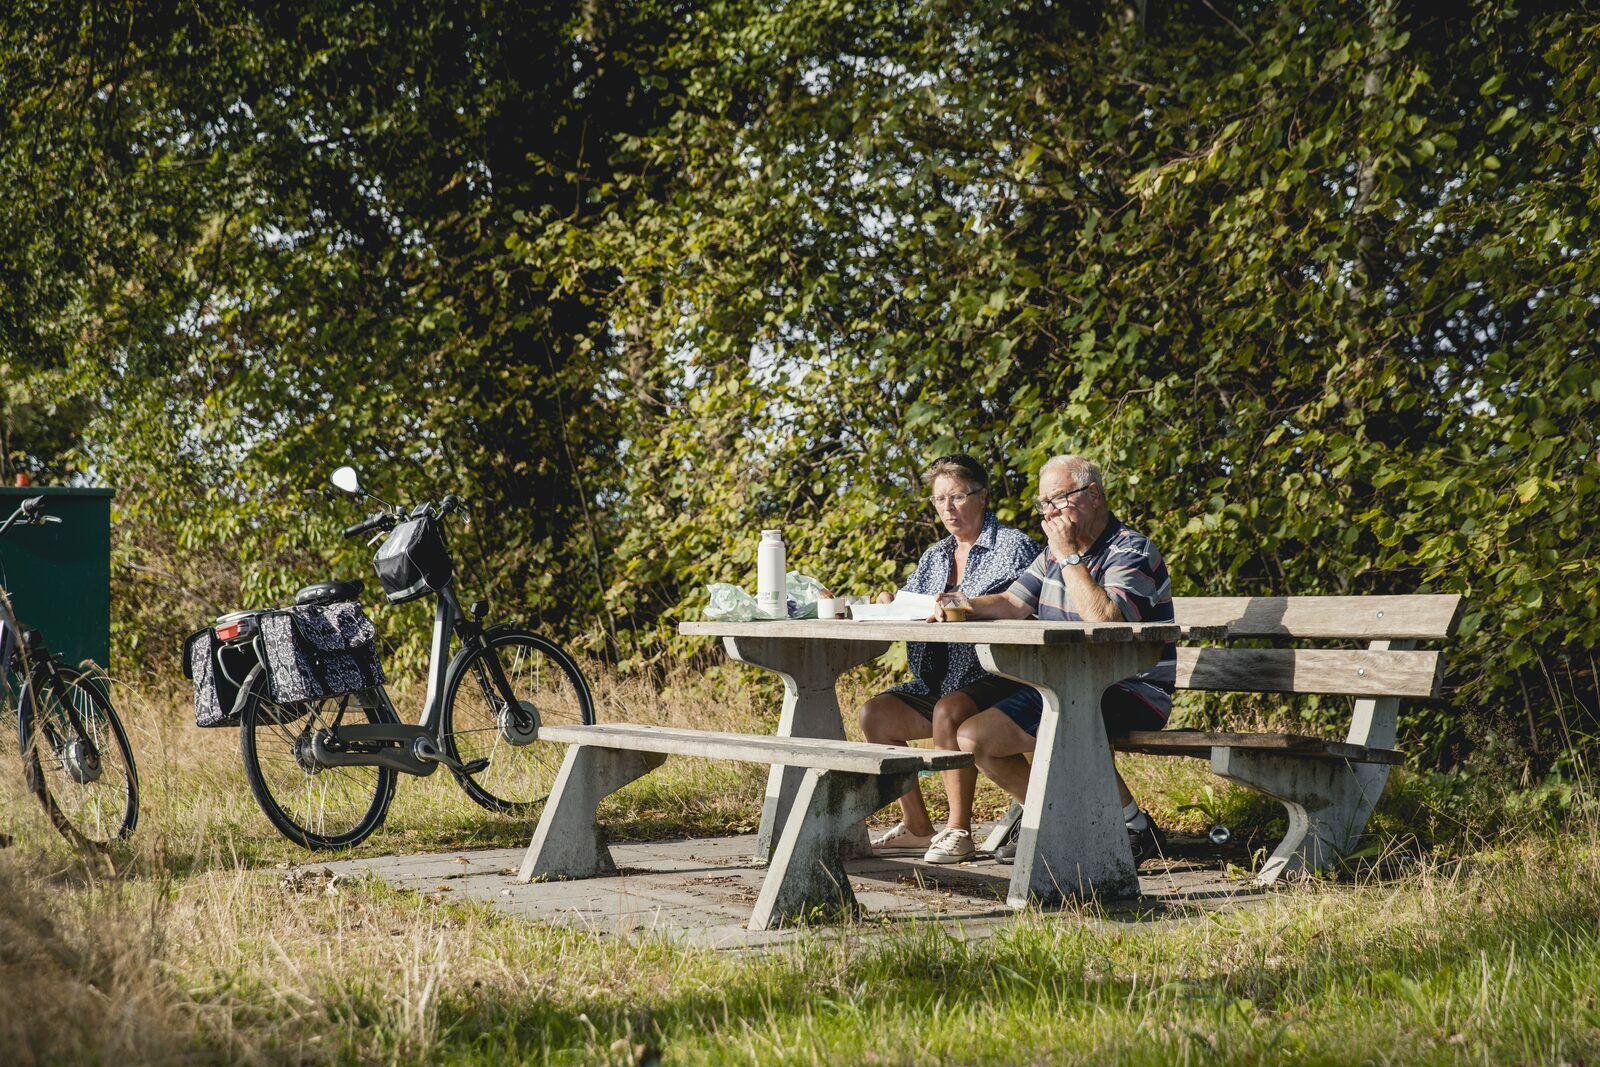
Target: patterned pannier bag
[
  {"x": 319, "y": 651},
  {"x": 217, "y": 670},
  {"x": 310, "y": 652}
]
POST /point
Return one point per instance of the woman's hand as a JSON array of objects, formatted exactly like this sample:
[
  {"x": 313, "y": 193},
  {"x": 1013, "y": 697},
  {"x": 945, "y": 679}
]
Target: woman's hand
[
  {"x": 941, "y": 601},
  {"x": 884, "y": 598}
]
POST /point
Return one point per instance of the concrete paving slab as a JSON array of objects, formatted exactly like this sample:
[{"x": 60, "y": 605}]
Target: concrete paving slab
[{"x": 702, "y": 891}]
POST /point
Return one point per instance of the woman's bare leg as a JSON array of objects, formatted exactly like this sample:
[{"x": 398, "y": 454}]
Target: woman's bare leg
[{"x": 888, "y": 720}]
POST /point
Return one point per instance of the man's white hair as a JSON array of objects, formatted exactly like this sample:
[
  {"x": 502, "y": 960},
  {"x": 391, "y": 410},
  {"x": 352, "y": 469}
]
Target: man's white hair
[{"x": 1083, "y": 471}]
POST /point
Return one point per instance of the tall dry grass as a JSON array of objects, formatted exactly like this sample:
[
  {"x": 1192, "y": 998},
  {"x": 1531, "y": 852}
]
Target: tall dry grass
[{"x": 195, "y": 948}]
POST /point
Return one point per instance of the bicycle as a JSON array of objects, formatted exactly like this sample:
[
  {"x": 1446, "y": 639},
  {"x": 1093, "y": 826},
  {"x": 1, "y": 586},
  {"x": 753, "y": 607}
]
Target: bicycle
[
  {"x": 75, "y": 753},
  {"x": 326, "y": 783}
]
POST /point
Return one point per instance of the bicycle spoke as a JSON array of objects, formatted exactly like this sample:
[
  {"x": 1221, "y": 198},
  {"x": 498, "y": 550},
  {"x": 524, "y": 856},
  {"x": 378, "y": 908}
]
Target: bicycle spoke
[
  {"x": 482, "y": 727},
  {"x": 312, "y": 805}
]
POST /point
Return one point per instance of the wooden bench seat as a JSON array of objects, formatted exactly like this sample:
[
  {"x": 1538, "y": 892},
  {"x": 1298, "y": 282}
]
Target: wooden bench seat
[
  {"x": 843, "y": 783},
  {"x": 1328, "y": 787},
  {"x": 1199, "y": 743}
]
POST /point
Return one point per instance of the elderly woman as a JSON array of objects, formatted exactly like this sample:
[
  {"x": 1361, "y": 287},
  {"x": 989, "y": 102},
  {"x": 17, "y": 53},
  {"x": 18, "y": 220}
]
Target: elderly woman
[{"x": 979, "y": 556}]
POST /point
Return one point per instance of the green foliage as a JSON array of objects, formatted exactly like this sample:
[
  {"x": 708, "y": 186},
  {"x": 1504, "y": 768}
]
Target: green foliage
[
  {"x": 1317, "y": 292},
  {"x": 291, "y": 231}
]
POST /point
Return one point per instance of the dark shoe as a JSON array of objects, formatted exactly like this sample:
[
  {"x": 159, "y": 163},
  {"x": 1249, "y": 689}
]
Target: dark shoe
[
  {"x": 1006, "y": 851},
  {"x": 1147, "y": 843}
]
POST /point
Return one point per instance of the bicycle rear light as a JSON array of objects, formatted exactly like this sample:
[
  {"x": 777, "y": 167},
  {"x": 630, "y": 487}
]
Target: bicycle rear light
[{"x": 229, "y": 629}]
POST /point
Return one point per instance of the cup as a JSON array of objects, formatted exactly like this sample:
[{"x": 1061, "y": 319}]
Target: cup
[
  {"x": 952, "y": 613},
  {"x": 830, "y": 607}
]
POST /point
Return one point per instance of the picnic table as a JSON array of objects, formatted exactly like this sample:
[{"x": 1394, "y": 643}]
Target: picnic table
[{"x": 1072, "y": 842}]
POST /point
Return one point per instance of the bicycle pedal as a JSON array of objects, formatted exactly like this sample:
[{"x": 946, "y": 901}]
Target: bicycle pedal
[{"x": 474, "y": 766}]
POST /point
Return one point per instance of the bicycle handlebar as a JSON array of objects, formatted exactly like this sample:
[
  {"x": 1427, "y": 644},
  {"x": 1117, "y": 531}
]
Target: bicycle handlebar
[
  {"x": 370, "y": 523},
  {"x": 388, "y": 520},
  {"x": 30, "y": 511}
]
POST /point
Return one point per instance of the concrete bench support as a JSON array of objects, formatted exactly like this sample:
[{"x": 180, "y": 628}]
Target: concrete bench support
[
  {"x": 568, "y": 841},
  {"x": 806, "y": 876},
  {"x": 842, "y": 782},
  {"x": 1328, "y": 802}
]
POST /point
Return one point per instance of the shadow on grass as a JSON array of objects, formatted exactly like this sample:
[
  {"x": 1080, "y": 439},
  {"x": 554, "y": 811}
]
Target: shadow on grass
[{"x": 1042, "y": 974}]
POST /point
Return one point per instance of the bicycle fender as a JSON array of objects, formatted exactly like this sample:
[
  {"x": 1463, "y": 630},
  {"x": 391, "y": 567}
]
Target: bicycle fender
[{"x": 246, "y": 688}]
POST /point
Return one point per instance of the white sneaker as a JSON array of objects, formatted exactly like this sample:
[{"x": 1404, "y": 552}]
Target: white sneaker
[
  {"x": 951, "y": 845},
  {"x": 899, "y": 841}
]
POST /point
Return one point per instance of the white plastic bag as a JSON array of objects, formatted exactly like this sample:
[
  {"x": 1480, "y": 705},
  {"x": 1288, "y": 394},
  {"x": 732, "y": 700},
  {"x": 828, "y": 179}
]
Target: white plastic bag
[
  {"x": 729, "y": 603},
  {"x": 804, "y": 591}
]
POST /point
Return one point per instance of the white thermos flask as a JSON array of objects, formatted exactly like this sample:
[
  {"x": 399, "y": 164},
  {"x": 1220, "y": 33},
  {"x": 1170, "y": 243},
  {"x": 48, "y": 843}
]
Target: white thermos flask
[{"x": 772, "y": 593}]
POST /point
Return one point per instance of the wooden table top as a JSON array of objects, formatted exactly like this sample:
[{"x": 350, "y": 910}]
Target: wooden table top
[{"x": 998, "y": 632}]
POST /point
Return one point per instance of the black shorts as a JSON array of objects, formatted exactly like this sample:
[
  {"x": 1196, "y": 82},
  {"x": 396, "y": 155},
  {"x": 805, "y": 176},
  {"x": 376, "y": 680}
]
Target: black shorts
[{"x": 985, "y": 693}]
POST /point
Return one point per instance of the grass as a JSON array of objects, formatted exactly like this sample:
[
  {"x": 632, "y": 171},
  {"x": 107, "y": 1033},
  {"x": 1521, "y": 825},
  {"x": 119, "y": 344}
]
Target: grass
[{"x": 196, "y": 951}]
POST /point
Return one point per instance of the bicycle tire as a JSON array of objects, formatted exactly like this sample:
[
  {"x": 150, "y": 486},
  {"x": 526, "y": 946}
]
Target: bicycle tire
[
  {"x": 319, "y": 808},
  {"x": 92, "y": 800},
  {"x": 541, "y": 673}
]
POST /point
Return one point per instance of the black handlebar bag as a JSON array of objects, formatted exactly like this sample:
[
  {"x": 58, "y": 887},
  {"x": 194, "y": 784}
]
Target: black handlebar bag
[
  {"x": 317, "y": 651},
  {"x": 412, "y": 561}
]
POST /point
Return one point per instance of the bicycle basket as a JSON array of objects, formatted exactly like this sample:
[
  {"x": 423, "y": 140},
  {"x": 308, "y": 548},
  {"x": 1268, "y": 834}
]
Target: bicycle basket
[
  {"x": 316, "y": 651},
  {"x": 412, "y": 561},
  {"x": 217, "y": 671}
]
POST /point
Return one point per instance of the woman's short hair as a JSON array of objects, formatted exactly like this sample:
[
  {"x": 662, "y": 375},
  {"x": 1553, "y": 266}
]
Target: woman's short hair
[{"x": 959, "y": 465}]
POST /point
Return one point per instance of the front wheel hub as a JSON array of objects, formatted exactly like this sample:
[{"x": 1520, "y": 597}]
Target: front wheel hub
[
  {"x": 81, "y": 761},
  {"x": 519, "y": 725}
]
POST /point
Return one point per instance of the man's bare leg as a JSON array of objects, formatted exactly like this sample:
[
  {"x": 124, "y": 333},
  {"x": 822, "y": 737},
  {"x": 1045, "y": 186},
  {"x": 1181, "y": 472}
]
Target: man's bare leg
[{"x": 999, "y": 744}]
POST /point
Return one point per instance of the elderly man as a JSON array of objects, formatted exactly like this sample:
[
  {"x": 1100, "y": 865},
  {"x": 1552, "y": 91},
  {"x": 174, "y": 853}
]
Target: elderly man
[{"x": 1095, "y": 569}]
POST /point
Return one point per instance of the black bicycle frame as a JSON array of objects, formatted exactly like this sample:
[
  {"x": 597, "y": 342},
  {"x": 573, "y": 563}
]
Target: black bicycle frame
[{"x": 410, "y": 748}]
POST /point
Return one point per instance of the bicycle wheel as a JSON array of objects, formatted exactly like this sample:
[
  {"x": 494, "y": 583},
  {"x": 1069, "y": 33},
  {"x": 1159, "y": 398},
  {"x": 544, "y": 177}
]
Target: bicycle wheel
[
  {"x": 476, "y": 724},
  {"x": 77, "y": 759},
  {"x": 314, "y": 806}
]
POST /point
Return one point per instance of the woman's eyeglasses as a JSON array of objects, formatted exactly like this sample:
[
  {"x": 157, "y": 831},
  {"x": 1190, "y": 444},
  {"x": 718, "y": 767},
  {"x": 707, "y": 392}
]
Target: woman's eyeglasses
[{"x": 954, "y": 500}]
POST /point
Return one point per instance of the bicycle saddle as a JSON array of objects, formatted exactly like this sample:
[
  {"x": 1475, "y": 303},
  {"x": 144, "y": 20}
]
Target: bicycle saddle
[{"x": 329, "y": 592}]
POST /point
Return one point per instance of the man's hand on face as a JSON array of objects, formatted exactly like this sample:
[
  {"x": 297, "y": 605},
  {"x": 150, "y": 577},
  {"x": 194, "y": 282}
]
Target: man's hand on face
[{"x": 1061, "y": 532}]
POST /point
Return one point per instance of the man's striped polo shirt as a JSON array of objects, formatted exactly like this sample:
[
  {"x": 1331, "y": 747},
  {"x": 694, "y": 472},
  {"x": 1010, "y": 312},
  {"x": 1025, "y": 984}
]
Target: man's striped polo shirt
[{"x": 1124, "y": 563}]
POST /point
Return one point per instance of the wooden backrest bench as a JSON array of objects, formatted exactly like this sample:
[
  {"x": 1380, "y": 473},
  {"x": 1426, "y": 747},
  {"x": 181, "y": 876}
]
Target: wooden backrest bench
[
  {"x": 1329, "y": 787},
  {"x": 845, "y": 781}
]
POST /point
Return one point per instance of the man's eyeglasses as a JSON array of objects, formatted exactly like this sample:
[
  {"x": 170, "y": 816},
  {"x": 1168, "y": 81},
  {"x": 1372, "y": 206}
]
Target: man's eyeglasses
[
  {"x": 954, "y": 500},
  {"x": 1057, "y": 502}
]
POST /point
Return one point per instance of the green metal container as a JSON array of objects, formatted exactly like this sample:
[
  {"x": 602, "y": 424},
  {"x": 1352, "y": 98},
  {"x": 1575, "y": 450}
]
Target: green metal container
[{"x": 59, "y": 575}]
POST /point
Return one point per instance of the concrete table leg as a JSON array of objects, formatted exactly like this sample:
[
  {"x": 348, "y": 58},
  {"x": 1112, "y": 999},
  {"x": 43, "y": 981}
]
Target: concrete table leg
[
  {"x": 810, "y": 671},
  {"x": 807, "y": 875},
  {"x": 567, "y": 842},
  {"x": 1072, "y": 843}
]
